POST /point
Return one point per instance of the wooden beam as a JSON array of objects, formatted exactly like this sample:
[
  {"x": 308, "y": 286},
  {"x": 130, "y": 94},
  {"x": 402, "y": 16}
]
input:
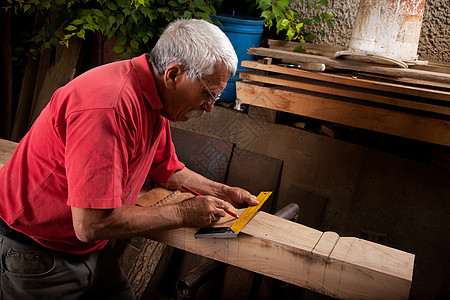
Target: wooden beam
[
  {"x": 341, "y": 267},
  {"x": 337, "y": 90},
  {"x": 351, "y": 65},
  {"x": 399, "y": 123},
  {"x": 377, "y": 85}
]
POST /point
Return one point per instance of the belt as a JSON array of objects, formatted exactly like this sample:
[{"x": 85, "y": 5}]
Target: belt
[{"x": 10, "y": 233}]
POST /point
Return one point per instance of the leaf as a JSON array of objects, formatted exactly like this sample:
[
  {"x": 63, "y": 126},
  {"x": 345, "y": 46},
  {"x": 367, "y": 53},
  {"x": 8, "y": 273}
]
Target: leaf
[
  {"x": 123, "y": 3},
  {"x": 71, "y": 28},
  {"x": 290, "y": 33},
  {"x": 111, "y": 20},
  {"x": 111, "y": 5},
  {"x": 305, "y": 21},
  {"x": 120, "y": 39},
  {"x": 46, "y": 4},
  {"x": 134, "y": 44},
  {"x": 77, "y": 22},
  {"x": 163, "y": 9},
  {"x": 98, "y": 13},
  {"x": 187, "y": 14},
  {"x": 173, "y": 3},
  {"x": 266, "y": 14},
  {"x": 119, "y": 19},
  {"x": 265, "y": 5},
  {"x": 299, "y": 49},
  {"x": 81, "y": 33},
  {"x": 26, "y": 7},
  {"x": 118, "y": 49},
  {"x": 310, "y": 37},
  {"x": 278, "y": 10},
  {"x": 135, "y": 14}
]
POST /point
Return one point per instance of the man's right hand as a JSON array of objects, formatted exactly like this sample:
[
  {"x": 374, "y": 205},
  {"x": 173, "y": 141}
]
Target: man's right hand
[{"x": 201, "y": 211}]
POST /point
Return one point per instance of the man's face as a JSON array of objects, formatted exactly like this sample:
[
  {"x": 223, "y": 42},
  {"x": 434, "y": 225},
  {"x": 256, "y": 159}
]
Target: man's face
[{"x": 192, "y": 99}]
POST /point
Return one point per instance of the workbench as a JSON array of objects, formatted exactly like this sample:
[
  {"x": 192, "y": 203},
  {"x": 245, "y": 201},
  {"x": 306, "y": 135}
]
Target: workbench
[{"x": 413, "y": 103}]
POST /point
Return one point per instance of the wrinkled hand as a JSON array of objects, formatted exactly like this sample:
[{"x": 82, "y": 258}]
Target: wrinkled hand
[
  {"x": 201, "y": 211},
  {"x": 238, "y": 197}
]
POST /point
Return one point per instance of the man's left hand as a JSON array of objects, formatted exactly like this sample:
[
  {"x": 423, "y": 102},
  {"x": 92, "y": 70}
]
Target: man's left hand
[{"x": 238, "y": 197}]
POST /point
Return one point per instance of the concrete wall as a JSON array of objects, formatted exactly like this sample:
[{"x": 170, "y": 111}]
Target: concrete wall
[
  {"x": 403, "y": 200},
  {"x": 434, "y": 41}
]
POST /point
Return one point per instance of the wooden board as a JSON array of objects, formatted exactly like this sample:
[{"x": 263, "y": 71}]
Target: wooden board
[
  {"x": 351, "y": 65},
  {"x": 341, "y": 267},
  {"x": 377, "y": 85},
  {"x": 338, "y": 90},
  {"x": 399, "y": 123},
  {"x": 330, "y": 50}
]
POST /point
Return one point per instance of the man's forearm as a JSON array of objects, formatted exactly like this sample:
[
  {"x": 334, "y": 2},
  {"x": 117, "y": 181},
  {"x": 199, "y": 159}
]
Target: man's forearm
[{"x": 194, "y": 181}]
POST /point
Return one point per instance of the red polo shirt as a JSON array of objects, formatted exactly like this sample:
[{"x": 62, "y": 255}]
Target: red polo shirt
[{"x": 93, "y": 146}]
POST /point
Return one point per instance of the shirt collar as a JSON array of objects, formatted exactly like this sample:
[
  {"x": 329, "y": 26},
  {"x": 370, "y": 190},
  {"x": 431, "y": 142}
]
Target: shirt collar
[{"x": 147, "y": 81}]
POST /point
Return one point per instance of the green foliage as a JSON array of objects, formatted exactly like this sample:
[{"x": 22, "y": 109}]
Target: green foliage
[
  {"x": 289, "y": 21},
  {"x": 134, "y": 22}
]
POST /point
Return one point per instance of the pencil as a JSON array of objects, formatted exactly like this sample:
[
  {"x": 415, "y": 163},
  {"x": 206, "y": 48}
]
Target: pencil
[{"x": 198, "y": 194}]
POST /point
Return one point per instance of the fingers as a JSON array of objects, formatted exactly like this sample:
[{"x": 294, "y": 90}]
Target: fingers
[
  {"x": 240, "y": 198},
  {"x": 202, "y": 211}
]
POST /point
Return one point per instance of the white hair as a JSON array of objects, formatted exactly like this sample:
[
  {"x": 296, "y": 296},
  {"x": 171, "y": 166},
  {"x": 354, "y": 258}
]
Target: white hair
[{"x": 196, "y": 44}]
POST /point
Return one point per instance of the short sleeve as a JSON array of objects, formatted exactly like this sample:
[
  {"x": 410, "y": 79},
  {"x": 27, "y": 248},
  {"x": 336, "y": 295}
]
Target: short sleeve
[
  {"x": 165, "y": 162},
  {"x": 95, "y": 159}
]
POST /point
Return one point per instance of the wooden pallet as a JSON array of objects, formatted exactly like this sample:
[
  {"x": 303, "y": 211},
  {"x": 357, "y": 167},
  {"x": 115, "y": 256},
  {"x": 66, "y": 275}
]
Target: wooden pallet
[{"x": 410, "y": 103}]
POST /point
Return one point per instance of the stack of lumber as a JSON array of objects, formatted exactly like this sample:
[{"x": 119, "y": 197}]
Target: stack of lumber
[{"x": 408, "y": 102}]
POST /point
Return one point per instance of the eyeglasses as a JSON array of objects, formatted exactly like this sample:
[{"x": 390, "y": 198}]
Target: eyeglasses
[{"x": 213, "y": 98}]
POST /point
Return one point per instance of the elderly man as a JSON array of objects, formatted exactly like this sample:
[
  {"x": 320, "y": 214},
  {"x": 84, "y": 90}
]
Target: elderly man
[{"x": 73, "y": 180}]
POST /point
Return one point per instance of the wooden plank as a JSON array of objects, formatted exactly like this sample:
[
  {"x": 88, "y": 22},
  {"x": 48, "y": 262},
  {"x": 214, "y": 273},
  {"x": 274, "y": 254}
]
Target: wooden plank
[
  {"x": 352, "y": 81},
  {"x": 351, "y": 65},
  {"x": 337, "y": 90},
  {"x": 330, "y": 50},
  {"x": 333, "y": 89},
  {"x": 340, "y": 267},
  {"x": 319, "y": 49},
  {"x": 399, "y": 123}
]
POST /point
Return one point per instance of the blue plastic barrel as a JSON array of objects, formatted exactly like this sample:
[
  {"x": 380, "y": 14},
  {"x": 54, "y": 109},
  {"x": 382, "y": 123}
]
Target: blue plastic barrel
[{"x": 244, "y": 32}]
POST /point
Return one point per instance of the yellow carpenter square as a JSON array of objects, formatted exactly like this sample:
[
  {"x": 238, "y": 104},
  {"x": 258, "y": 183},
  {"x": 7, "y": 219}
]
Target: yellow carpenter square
[
  {"x": 232, "y": 232},
  {"x": 249, "y": 212}
]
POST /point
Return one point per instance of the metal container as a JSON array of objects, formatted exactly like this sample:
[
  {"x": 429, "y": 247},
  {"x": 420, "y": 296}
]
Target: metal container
[{"x": 388, "y": 28}]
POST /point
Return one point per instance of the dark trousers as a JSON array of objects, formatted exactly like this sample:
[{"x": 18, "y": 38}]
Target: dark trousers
[{"x": 31, "y": 271}]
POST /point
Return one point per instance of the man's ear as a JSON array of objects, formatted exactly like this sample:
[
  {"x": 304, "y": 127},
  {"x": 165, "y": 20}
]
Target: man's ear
[{"x": 172, "y": 75}]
